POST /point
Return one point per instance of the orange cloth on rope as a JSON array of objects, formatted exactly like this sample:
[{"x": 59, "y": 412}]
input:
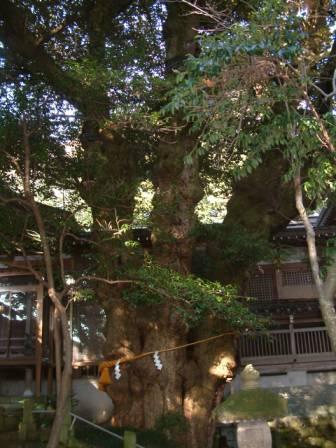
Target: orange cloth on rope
[
  {"x": 105, "y": 378},
  {"x": 104, "y": 372}
]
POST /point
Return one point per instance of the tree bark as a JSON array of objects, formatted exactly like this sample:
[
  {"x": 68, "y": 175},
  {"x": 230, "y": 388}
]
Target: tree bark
[
  {"x": 261, "y": 202},
  {"x": 63, "y": 398},
  {"x": 178, "y": 190},
  {"x": 144, "y": 394},
  {"x": 189, "y": 380},
  {"x": 325, "y": 290},
  {"x": 185, "y": 388}
]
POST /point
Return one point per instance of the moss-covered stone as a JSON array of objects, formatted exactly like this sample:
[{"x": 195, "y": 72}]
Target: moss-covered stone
[
  {"x": 27, "y": 427},
  {"x": 10, "y": 416},
  {"x": 251, "y": 404}
]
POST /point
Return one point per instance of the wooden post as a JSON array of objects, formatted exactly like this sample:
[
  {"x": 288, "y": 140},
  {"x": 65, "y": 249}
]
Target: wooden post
[
  {"x": 129, "y": 439},
  {"x": 28, "y": 346},
  {"x": 9, "y": 328},
  {"x": 278, "y": 283},
  {"x": 292, "y": 337}
]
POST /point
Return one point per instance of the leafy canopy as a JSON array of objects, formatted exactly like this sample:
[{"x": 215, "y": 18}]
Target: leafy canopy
[
  {"x": 192, "y": 297},
  {"x": 252, "y": 90}
]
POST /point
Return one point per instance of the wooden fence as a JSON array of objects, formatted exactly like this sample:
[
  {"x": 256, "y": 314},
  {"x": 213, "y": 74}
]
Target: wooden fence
[{"x": 290, "y": 345}]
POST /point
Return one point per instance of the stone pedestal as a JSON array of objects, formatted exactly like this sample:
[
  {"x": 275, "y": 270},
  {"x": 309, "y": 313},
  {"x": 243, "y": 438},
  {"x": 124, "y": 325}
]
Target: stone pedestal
[{"x": 253, "y": 434}]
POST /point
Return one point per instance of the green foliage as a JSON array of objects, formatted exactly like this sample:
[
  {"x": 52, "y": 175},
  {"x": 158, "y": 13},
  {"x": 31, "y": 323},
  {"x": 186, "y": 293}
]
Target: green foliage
[
  {"x": 198, "y": 87},
  {"x": 248, "y": 93},
  {"x": 143, "y": 203},
  {"x": 212, "y": 207},
  {"x": 171, "y": 421},
  {"x": 90, "y": 73},
  {"x": 83, "y": 294},
  {"x": 192, "y": 297},
  {"x": 320, "y": 182}
]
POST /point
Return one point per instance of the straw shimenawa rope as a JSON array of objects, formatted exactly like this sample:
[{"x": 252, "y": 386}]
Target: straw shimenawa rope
[{"x": 105, "y": 378}]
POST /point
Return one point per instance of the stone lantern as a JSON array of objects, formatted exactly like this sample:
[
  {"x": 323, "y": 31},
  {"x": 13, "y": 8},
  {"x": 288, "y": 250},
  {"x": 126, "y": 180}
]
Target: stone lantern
[{"x": 249, "y": 409}]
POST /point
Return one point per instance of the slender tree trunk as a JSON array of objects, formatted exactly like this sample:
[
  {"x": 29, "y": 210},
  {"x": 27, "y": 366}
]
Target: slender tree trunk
[
  {"x": 63, "y": 398},
  {"x": 325, "y": 291},
  {"x": 64, "y": 389},
  {"x": 58, "y": 351}
]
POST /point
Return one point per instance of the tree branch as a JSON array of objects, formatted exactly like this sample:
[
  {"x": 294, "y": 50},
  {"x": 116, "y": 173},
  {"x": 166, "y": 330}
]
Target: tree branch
[
  {"x": 25, "y": 49},
  {"x": 49, "y": 34},
  {"x": 326, "y": 140},
  {"x": 93, "y": 278},
  {"x": 325, "y": 292}
]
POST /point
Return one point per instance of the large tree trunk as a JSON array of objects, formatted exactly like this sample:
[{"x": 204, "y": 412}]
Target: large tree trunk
[
  {"x": 178, "y": 190},
  {"x": 189, "y": 381},
  {"x": 143, "y": 394},
  {"x": 208, "y": 368},
  {"x": 187, "y": 385},
  {"x": 260, "y": 205},
  {"x": 261, "y": 202}
]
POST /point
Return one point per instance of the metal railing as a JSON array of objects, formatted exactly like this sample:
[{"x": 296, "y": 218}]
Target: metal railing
[
  {"x": 111, "y": 433},
  {"x": 290, "y": 344},
  {"x": 84, "y": 420}
]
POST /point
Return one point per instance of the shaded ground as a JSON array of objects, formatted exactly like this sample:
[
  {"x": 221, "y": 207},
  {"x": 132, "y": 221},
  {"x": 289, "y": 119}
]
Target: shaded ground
[
  {"x": 86, "y": 437},
  {"x": 93, "y": 438},
  {"x": 11, "y": 440}
]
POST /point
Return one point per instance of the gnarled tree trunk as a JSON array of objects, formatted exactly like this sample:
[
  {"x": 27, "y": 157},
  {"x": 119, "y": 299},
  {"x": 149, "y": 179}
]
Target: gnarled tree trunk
[{"x": 187, "y": 385}]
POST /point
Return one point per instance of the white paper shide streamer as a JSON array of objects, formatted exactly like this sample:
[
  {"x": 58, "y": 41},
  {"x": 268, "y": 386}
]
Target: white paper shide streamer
[
  {"x": 157, "y": 361},
  {"x": 117, "y": 371}
]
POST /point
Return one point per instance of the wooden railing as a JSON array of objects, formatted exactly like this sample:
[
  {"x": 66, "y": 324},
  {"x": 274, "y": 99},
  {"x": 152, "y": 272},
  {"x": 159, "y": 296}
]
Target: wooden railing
[
  {"x": 290, "y": 345},
  {"x": 17, "y": 347}
]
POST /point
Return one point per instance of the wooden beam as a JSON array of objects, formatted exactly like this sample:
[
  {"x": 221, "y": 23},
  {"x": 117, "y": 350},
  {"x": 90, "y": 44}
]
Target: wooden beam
[
  {"x": 289, "y": 367},
  {"x": 78, "y": 364},
  {"x": 19, "y": 361}
]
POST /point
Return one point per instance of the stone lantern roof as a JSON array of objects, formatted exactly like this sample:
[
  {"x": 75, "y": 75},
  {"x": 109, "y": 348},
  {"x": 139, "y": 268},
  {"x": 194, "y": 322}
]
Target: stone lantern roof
[{"x": 252, "y": 402}]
